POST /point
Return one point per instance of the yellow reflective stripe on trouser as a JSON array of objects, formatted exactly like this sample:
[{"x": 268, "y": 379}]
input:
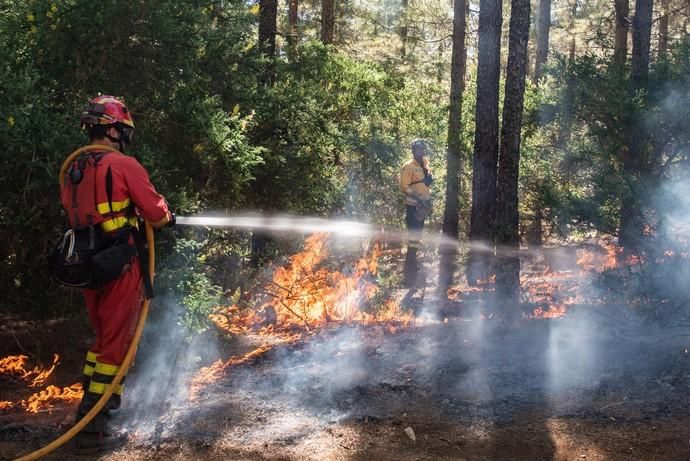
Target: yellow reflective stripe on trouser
[
  {"x": 106, "y": 369},
  {"x": 90, "y": 363},
  {"x": 99, "y": 388},
  {"x": 118, "y": 222},
  {"x": 105, "y": 207}
]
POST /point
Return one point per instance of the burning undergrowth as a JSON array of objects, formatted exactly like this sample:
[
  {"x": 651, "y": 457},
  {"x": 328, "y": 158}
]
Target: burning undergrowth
[
  {"x": 303, "y": 296},
  {"x": 313, "y": 348}
]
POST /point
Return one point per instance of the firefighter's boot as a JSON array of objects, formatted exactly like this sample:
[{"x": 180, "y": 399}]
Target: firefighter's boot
[{"x": 97, "y": 435}]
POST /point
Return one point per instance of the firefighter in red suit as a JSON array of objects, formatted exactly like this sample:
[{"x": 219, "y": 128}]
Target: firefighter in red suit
[{"x": 123, "y": 191}]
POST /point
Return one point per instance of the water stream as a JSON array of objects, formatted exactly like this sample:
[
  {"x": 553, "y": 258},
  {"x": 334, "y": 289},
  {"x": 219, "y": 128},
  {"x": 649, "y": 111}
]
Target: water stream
[{"x": 344, "y": 228}]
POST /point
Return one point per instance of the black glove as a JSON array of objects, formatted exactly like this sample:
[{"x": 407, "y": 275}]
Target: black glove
[
  {"x": 428, "y": 179},
  {"x": 173, "y": 220}
]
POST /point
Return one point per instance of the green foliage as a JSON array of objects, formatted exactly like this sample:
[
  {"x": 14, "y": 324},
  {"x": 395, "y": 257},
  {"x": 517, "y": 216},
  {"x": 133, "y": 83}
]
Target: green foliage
[
  {"x": 327, "y": 137},
  {"x": 578, "y": 126}
]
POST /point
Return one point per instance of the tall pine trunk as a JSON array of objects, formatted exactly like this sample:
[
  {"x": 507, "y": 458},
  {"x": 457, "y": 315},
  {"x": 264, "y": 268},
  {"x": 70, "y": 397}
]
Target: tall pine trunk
[
  {"x": 663, "y": 29},
  {"x": 292, "y": 38},
  {"x": 402, "y": 30},
  {"x": 687, "y": 21},
  {"x": 567, "y": 111},
  {"x": 451, "y": 212},
  {"x": 328, "y": 21},
  {"x": 543, "y": 30},
  {"x": 268, "y": 16},
  {"x": 485, "y": 158},
  {"x": 620, "y": 50},
  {"x": 507, "y": 220},
  {"x": 631, "y": 219}
]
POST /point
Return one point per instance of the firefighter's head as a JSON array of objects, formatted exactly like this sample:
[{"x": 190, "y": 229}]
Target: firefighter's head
[
  {"x": 420, "y": 149},
  {"x": 106, "y": 117}
]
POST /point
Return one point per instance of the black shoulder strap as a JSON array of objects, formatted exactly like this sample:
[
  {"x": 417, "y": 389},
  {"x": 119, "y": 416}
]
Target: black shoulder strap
[
  {"x": 109, "y": 188},
  {"x": 144, "y": 261}
]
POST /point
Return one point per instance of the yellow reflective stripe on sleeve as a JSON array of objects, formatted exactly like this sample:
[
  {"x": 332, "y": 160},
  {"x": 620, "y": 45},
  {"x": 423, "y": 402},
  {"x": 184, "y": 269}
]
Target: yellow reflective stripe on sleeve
[
  {"x": 88, "y": 370},
  {"x": 104, "y": 207},
  {"x": 106, "y": 369},
  {"x": 99, "y": 388},
  {"x": 91, "y": 356}
]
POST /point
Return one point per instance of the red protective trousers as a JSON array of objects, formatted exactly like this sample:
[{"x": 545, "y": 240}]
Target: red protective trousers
[{"x": 114, "y": 312}]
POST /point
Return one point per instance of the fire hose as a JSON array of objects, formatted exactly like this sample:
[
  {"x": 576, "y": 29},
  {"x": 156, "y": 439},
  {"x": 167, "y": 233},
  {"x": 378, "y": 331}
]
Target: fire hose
[{"x": 64, "y": 438}]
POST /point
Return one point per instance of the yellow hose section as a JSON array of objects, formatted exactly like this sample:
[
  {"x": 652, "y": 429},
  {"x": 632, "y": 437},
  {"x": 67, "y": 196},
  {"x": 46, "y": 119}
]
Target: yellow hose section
[{"x": 64, "y": 438}]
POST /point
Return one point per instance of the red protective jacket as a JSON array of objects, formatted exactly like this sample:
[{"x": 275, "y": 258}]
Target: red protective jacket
[
  {"x": 113, "y": 309},
  {"x": 130, "y": 186}
]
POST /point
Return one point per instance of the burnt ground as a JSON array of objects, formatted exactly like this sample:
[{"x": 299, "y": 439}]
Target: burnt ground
[{"x": 562, "y": 389}]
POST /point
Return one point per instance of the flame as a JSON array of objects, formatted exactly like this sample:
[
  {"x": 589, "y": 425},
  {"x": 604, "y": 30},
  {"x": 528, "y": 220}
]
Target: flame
[
  {"x": 217, "y": 369},
  {"x": 589, "y": 260},
  {"x": 6, "y": 405},
  {"x": 45, "y": 399},
  {"x": 550, "y": 292},
  {"x": 16, "y": 365},
  {"x": 302, "y": 296}
]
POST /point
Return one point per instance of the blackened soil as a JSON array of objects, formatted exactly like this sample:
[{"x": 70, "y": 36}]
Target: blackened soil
[{"x": 467, "y": 389}]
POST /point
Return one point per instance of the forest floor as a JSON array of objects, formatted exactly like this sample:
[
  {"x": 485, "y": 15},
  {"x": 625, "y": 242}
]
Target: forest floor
[{"x": 545, "y": 389}]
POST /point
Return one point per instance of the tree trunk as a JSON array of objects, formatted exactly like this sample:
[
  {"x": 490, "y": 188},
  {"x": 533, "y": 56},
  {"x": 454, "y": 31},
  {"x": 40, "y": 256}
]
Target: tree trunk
[
  {"x": 292, "y": 27},
  {"x": 663, "y": 29},
  {"x": 507, "y": 218},
  {"x": 543, "y": 29},
  {"x": 327, "y": 21},
  {"x": 631, "y": 219},
  {"x": 567, "y": 111},
  {"x": 687, "y": 21},
  {"x": 268, "y": 15},
  {"x": 402, "y": 30},
  {"x": 485, "y": 158},
  {"x": 451, "y": 211},
  {"x": 620, "y": 50},
  {"x": 571, "y": 31}
]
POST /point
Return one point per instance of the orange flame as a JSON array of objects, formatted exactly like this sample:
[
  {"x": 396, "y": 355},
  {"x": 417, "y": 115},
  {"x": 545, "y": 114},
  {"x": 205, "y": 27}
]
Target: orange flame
[
  {"x": 302, "y": 296},
  {"x": 589, "y": 260},
  {"x": 15, "y": 365},
  {"x": 45, "y": 399},
  {"x": 217, "y": 369}
]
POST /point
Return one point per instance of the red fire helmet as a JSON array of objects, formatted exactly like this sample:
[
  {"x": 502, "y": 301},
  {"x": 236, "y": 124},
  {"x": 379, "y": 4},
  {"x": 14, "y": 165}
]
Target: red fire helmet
[{"x": 106, "y": 110}]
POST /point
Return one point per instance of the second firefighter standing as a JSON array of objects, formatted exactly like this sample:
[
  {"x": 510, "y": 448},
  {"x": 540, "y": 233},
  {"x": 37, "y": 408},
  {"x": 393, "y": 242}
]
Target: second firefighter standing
[{"x": 415, "y": 180}]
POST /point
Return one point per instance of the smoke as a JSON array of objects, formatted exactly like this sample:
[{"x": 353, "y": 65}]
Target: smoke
[
  {"x": 467, "y": 369},
  {"x": 166, "y": 360}
]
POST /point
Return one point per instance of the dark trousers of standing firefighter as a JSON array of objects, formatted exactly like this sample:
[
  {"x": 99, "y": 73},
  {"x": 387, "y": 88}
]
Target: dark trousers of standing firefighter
[
  {"x": 114, "y": 313},
  {"x": 414, "y": 229}
]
